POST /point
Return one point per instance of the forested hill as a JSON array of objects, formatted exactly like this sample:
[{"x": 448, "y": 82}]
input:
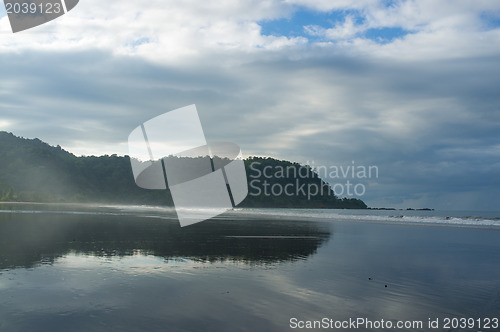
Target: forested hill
[{"x": 33, "y": 171}]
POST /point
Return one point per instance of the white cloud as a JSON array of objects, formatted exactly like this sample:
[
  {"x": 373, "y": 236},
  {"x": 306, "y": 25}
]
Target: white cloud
[
  {"x": 346, "y": 30},
  {"x": 329, "y": 5},
  {"x": 173, "y": 31},
  {"x": 161, "y": 30}
]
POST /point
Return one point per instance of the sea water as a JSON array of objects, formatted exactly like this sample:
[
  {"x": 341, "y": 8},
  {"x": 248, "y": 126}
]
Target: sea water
[{"x": 133, "y": 268}]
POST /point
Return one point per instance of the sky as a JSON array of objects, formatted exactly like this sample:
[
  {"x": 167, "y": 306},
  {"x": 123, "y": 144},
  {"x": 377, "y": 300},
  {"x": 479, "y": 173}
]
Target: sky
[{"x": 411, "y": 87}]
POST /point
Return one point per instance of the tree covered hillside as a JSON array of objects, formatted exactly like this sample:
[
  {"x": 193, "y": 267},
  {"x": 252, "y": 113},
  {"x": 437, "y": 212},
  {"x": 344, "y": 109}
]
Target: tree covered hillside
[{"x": 33, "y": 171}]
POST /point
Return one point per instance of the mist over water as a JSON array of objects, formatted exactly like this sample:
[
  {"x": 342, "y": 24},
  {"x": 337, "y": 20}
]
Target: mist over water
[{"x": 80, "y": 267}]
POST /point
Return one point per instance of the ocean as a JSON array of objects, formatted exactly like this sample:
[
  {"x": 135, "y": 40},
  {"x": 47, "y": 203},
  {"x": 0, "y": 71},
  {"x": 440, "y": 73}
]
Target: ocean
[{"x": 133, "y": 268}]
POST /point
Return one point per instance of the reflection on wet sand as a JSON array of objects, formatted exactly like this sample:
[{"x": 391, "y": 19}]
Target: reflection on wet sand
[{"x": 28, "y": 239}]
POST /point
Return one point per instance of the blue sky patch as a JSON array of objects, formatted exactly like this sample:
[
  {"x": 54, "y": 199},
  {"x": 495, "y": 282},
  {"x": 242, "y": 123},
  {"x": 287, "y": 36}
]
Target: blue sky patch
[
  {"x": 294, "y": 26},
  {"x": 490, "y": 20},
  {"x": 140, "y": 41}
]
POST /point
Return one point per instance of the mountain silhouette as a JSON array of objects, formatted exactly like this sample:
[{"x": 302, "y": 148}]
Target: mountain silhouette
[{"x": 33, "y": 171}]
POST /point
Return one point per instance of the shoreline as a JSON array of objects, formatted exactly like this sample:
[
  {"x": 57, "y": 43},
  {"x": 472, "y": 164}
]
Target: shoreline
[{"x": 411, "y": 217}]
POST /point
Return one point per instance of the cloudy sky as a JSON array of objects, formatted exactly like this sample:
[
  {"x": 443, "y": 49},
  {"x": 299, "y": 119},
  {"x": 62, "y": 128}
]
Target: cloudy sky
[{"x": 412, "y": 87}]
